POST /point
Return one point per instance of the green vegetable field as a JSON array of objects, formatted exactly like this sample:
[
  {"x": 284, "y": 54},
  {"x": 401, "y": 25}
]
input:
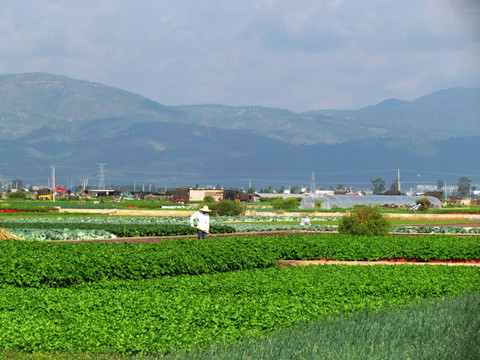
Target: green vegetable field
[
  {"x": 180, "y": 296},
  {"x": 146, "y": 316},
  {"x": 56, "y": 227}
]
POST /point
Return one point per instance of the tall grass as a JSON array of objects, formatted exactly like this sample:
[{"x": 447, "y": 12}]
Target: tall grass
[{"x": 447, "y": 328}]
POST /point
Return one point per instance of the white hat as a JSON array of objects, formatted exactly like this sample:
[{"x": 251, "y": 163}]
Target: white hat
[{"x": 205, "y": 209}]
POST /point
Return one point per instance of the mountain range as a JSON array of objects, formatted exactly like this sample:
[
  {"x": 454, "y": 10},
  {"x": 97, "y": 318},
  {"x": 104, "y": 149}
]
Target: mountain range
[{"x": 48, "y": 119}]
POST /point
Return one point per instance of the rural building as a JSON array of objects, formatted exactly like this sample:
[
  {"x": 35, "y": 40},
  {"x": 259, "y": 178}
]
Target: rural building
[
  {"x": 246, "y": 197},
  {"x": 143, "y": 194},
  {"x": 435, "y": 194},
  {"x": 180, "y": 194},
  {"x": 199, "y": 194},
  {"x": 97, "y": 193},
  {"x": 232, "y": 195}
]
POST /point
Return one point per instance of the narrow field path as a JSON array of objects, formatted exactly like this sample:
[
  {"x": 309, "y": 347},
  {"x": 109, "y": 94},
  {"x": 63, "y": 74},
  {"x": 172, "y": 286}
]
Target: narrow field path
[{"x": 288, "y": 263}]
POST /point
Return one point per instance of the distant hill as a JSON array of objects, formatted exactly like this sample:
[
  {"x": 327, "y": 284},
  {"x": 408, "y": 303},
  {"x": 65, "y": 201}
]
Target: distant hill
[
  {"x": 50, "y": 119},
  {"x": 441, "y": 115},
  {"x": 36, "y": 100},
  {"x": 33, "y": 101}
]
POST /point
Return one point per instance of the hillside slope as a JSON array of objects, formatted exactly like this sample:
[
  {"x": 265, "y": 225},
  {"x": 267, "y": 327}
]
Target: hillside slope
[
  {"x": 51, "y": 119},
  {"x": 33, "y": 101}
]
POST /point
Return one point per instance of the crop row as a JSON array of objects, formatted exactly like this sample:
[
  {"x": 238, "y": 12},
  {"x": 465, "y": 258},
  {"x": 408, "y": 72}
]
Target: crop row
[
  {"x": 221, "y": 220},
  {"x": 157, "y": 315},
  {"x": 60, "y": 234},
  {"x": 25, "y": 263},
  {"x": 121, "y": 230},
  {"x": 122, "y": 226},
  {"x": 435, "y": 230},
  {"x": 80, "y": 232}
]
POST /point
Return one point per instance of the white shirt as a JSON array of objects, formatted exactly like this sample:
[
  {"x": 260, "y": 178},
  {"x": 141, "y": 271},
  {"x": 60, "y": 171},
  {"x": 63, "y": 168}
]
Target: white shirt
[{"x": 203, "y": 220}]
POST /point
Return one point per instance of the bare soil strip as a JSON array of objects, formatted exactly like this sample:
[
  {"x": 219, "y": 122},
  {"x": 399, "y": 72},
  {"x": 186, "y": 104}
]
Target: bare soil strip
[{"x": 288, "y": 263}]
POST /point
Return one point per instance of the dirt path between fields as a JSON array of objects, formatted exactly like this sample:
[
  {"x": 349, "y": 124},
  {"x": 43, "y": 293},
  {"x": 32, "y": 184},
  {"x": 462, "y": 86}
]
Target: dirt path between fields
[{"x": 289, "y": 263}]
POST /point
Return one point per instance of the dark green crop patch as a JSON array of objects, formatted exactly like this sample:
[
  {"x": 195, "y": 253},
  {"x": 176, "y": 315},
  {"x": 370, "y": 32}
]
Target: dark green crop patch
[
  {"x": 30, "y": 263},
  {"x": 180, "y": 312}
]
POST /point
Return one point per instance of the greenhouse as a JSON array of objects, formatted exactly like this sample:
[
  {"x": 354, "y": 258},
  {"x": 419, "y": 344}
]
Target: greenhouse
[{"x": 348, "y": 201}]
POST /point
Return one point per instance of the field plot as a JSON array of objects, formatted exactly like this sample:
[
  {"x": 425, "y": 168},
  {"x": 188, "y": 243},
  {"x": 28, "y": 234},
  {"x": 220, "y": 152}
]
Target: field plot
[
  {"x": 225, "y": 297},
  {"x": 179, "y": 312},
  {"x": 141, "y": 298},
  {"x": 56, "y": 226}
]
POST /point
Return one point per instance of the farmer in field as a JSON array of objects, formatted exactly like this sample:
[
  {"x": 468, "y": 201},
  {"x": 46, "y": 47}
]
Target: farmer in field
[
  {"x": 306, "y": 222},
  {"x": 202, "y": 219}
]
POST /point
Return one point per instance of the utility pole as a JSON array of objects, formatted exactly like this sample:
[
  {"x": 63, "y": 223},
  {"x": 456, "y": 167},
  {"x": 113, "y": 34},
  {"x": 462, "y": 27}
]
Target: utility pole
[
  {"x": 312, "y": 185},
  {"x": 398, "y": 180},
  {"x": 101, "y": 172},
  {"x": 53, "y": 183}
]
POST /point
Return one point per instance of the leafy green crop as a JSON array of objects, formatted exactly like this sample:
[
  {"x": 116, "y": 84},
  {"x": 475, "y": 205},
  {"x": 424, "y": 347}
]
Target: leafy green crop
[
  {"x": 441, "y": 329},
  {"x": 24, "y": 263},
  {"x": 61, "y": 234},
  {"x": 120, "y": 230},
  {"x": 158, "y": 315}
]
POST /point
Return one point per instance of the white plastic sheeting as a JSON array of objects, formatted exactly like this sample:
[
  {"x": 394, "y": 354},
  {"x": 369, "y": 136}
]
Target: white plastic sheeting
[{"x": 348, "y": 201}]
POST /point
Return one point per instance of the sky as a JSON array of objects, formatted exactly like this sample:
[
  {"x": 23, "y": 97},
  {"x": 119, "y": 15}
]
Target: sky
[{"x": 292, "y": 54}]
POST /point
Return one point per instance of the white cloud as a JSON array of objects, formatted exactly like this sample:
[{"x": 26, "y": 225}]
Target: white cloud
[{"x": 291, "y": 54}]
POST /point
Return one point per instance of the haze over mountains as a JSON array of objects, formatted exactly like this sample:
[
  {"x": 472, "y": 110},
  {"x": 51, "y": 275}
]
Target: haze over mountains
[{"x": 75, "y": 125}]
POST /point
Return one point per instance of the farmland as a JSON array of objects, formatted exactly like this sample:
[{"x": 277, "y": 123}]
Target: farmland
[{"x": 226, "y": 296}]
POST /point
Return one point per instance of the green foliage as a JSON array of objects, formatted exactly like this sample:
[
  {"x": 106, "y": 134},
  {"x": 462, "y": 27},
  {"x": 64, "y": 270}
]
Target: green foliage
[
  {"x": 37, "y": 264},
  {"x": 378, "y": 185},
  {"x": 443, "y": 328},
  {"x": 25, "y": 263},
  {"x": 424, "y": 202},
  {"x": 464, "y": 187},
  {"x": 318, "y": 204},
  {"x": 208, "y": 199},
  {"x": 61, "y": 234},
  {"x": 120, "y": 230},
  {"x": 227, "y": 208},
  {"x": 27, "y": 207},
  {"x": 364, "y": 220},
  {"x": 269, "y": 199},
  {"x": 17, "y": 195},
  {"x": 370, "y": 248},
  {"x": 435, "y": 230},
  {"x": 286, "y": 204},
  {"x": 154, "y": 316},
  {"x": 474, "y": 210}
]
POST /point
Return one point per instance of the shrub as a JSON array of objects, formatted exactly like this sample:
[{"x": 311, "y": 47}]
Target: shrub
[
  {"x": 227, "y": 208},
  {"x": 364, "y": 220},
  {"x": 424, "y": 202},
  {"x": 318, "y": 204},
  {"x": 18, "y": 195},
  {"x": 208, "y": 199},
  {"x": 269, "y": 199},
  {"x": 285, "y": 204}
]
